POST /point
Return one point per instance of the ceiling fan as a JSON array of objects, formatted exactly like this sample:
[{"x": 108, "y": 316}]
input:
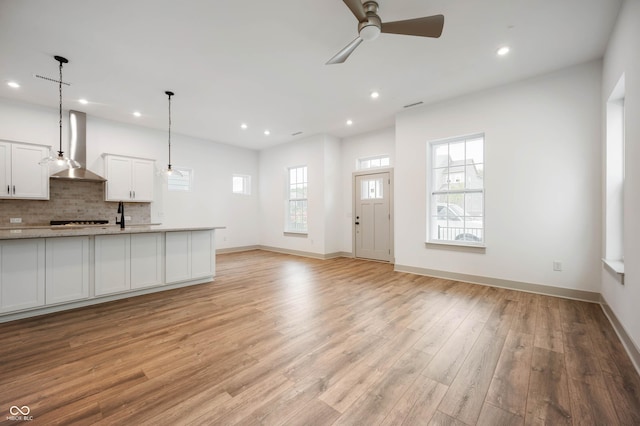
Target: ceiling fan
[{"x": 370, "y": 26}]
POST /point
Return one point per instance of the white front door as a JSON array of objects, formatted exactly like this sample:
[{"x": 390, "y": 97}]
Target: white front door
[{"x": 372, "y": 218}]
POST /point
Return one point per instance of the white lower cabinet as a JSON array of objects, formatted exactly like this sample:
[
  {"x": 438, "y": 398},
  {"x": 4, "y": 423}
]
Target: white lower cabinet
[
  {"x": 113, "y": 264},
  {"x": 67, "y": 269},
  {"x": 127, "y": 262},
  {"x": 146, "y": 260},
  {"x": 22, "y": 274},
  {"x": 189, "y": 255}
]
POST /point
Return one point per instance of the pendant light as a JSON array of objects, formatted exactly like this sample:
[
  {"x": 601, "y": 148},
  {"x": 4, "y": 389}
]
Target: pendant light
[
  {"x": 170, "y": 171},
  {"x": 60, "y": 159}
]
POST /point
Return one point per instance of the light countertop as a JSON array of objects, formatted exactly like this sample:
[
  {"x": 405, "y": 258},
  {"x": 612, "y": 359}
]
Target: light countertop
[{"x": 90, "y": 230}]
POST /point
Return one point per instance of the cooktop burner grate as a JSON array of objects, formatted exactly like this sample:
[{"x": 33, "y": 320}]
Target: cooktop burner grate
[{"x": 79, "y": 222}]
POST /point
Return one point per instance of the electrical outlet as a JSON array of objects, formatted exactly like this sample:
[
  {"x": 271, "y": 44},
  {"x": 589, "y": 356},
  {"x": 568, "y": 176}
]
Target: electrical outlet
[
  {"x": 127, "y": 218},
  {"x": 15, "y": 220},
  {"x": 557, "y": 266}
]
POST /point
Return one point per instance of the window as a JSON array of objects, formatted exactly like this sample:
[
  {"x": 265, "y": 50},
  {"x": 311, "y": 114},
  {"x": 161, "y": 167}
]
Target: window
[
  {"x": 371, "y": 189},
  {"x": 241, "y": 184},
  {"x": 615, "y": 177},
  {"x": 373, "y": 162},
  {"x": 180, "y": 183},
  {"x": 456, "y": 212},
  {"x": 296, "y": 220}
]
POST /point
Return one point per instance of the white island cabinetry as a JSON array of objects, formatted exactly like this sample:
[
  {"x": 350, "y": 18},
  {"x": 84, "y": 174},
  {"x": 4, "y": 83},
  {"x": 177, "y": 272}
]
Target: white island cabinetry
[
  {"x": 22, "y": 264},
  {"x": 49, "y": 269},
  {"x": 128, "y": 178},
  {"x": 67, "y": 269},
  {"x": 126, "y": 262},
  {"x": 190, "y": 255}
]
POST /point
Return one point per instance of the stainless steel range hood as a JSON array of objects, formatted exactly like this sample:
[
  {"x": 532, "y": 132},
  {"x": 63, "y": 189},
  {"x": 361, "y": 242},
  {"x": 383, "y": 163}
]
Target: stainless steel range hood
[{"x": 78, "y": 151}]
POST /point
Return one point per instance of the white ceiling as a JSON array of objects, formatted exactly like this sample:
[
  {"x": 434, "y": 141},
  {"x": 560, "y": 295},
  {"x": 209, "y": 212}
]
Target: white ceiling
[{"x": 263, "y": 62}]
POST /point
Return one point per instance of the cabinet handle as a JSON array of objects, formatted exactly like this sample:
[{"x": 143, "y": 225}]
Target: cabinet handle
[
  {"x": 8, "y": 189},
  {"x": 134, "y": 195},
  {"x": 130, "y": 195},
  {"x": 14, "y": 190}
]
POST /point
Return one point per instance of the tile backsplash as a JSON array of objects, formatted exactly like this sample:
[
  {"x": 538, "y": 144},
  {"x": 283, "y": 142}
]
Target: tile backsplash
[{"x": 70, "y": 200}]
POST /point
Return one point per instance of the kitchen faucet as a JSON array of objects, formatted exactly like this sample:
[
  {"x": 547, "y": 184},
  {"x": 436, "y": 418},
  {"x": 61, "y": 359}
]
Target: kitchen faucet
[{"x": 121, "y": 213}]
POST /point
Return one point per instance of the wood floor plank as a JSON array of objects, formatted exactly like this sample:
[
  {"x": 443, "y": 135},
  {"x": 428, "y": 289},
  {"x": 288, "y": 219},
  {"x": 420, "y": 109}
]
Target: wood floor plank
[
  {"x": 467, "y": 393},
  {"x": 280, "y": 339},
  {"x": 418, "y": 404},
  {"x": 494, "y": 416},
  {"x": 510, "y": 383},
  {"x": 374, "y": 406},
  {"x": 548, "y": 398}
]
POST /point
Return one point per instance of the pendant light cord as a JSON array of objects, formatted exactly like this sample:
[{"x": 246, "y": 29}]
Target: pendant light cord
[
  {"x": 169, "y": 94},
  {"x": 169, "y": 131},
  {"x": 60, "y": 91}
]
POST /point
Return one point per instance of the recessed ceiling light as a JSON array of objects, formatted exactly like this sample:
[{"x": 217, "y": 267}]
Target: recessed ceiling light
[
  {"x": 13, "y": 84},
  {"x": 375, "y": 95},
  {"x": 503, "y": 50},
  {"x": 137, "y": 114},
  {"x": 267, "y": 132},
  {"x": 349, "y": 122},
  {"x": 243, "y": 126},
  {"x": 83, "y": 101}
]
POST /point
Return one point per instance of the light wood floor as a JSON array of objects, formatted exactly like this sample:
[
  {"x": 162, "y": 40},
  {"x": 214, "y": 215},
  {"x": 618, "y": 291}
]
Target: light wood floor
[{"x": 278, "y": 339}]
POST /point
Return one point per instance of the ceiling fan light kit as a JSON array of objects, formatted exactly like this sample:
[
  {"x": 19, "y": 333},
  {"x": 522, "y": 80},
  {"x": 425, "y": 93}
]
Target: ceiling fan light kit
[{"x": 370, "y": 26}]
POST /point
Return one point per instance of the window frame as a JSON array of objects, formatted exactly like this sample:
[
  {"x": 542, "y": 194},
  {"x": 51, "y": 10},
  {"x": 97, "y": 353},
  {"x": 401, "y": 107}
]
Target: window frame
[
  {"x": 360, "y": 161},
  {"x": 432, "y": 193},
  {"x": 289, "y": 226},
  {"x": 246, "y": 184}
]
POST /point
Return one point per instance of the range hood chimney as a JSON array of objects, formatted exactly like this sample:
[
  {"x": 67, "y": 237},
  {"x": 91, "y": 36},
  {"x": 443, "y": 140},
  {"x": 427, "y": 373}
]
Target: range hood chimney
[{"x": 78, "y": 151}]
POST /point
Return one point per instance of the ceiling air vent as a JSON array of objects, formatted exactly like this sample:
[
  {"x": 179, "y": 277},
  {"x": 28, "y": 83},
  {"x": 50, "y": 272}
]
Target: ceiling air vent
[{"x": 413, "y": 104}]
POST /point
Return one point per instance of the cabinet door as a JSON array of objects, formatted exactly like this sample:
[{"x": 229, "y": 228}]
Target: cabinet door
[
  {"x": 67, "y": 270},
  {"x": 21, "y": 274},
  {"x": 178, "y": 256},
  {"x": 29, "y": 179},
  {"x": 112, "y": 264},
  {"x": 146, "y": 260},
  {"x": 142, "y": 180},
  {"x": 5, "y": 171},
  {"x": 202, "y": 261},
  {"x": 118, "y": 174}
]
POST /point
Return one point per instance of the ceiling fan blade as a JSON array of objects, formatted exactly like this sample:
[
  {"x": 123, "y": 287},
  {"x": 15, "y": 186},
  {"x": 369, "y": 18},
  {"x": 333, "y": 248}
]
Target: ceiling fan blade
[
  {"x": 356, "y": 8},
  {"x": 430, "y": 26},
  {"x": 342, "y": 55}
]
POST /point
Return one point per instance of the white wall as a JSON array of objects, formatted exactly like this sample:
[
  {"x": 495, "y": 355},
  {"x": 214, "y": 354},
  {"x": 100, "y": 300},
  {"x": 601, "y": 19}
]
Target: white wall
[
  {"x": 332, "y": 195},
  {"x": 321, "y": 156},
  {"x": 380, "y": 142},
  {"x": 211, "y": 201},
  {"x": 542, "y": 179},
  {"x": 622, "y": 57}
]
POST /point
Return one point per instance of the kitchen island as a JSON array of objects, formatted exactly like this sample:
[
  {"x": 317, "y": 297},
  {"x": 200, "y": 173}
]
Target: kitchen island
[{"x": 48, "y": 269}]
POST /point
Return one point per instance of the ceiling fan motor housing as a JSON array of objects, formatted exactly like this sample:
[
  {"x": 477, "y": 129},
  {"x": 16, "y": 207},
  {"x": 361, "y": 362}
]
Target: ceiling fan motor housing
[{"x": 369, "y": 28}]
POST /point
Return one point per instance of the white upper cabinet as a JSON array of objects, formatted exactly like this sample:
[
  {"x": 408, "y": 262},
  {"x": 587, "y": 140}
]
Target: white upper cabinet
[
  {"x": 128, "y": 178},
  {"x": 21, "y": 175}
]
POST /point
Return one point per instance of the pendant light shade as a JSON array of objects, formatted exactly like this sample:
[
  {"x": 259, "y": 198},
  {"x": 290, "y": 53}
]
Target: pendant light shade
[
  {"x": 60, "y": 159},
  {"x": 169, "y": 171}
]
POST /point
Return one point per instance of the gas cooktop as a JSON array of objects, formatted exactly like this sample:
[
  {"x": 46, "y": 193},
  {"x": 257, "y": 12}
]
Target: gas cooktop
[{"x": 79, "y": 222}]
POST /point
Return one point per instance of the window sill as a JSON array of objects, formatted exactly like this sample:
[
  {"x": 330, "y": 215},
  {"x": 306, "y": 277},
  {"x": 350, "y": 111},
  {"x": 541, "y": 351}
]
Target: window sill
[
  {"x": 616, "y": 267},
  {"x": 451, "y": 245},
  {"x": 295, "y": 234}
]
